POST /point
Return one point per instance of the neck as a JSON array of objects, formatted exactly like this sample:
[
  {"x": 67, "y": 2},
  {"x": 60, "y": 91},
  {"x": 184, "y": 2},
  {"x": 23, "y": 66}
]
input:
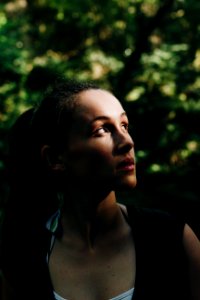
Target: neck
[{"x": 90, "y": 218}]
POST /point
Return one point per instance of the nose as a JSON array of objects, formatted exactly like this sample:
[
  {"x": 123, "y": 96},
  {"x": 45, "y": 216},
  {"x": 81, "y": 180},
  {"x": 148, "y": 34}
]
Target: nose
[{"x": 123, "y": 143}]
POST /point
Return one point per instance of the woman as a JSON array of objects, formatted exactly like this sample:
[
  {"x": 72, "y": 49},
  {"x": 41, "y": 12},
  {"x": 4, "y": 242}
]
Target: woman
[{"x": 77, "y": 241}]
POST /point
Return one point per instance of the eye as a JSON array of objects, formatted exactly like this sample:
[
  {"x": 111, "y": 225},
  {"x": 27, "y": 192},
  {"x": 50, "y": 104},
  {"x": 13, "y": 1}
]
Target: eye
[
  {"x": 125, "y": 126},
  {"x": 100, "y": 131}
]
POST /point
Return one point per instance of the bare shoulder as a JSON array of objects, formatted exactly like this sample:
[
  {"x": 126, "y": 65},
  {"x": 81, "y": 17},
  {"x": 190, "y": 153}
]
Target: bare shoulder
[
  {"x": 192, "y": 245},
  {"x": 192, "y": 249}
]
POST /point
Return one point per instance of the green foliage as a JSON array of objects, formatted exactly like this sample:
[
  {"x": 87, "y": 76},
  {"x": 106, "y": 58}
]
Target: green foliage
[{"x": 147, "y": 52}]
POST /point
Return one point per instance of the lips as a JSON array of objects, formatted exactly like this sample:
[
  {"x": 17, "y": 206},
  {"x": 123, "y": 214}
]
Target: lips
[{"x": 126, "y": 165}]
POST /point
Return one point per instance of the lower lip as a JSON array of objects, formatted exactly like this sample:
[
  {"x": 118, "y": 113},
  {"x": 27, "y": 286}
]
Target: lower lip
[{"x": 128, "y": 168}]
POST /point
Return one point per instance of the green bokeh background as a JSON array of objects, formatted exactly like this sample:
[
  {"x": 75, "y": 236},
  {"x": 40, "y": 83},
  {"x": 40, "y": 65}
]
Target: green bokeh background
[{"x": 146, "y": 52}]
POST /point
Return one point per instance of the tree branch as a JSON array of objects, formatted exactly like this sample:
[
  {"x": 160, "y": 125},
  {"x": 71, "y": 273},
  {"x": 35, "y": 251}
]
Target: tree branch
[{"x": 132, "y": 63}]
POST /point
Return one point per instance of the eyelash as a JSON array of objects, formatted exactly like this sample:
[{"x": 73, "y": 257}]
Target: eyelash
[
  {"x": 108, "y": 128},
  {"x": 126, "y": 126}
]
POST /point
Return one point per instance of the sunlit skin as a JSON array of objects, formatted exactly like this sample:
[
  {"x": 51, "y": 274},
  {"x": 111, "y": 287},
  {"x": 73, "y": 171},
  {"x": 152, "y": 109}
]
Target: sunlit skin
[
  {"x": 100, "y": 150},
  {"x": 99, "y": 159},
  {"x": 100, "y": 154}
]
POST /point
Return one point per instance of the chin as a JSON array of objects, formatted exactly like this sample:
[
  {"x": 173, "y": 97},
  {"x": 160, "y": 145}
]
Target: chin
[{"x": 126, "y": 183}]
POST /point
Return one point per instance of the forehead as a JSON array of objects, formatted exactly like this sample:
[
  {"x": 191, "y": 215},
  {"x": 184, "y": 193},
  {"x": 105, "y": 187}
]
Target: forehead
[{"x": 94, "y": 103}]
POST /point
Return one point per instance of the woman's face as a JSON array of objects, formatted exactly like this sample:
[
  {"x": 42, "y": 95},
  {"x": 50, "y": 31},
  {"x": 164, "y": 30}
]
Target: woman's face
[{"x": 100, "y": 152}]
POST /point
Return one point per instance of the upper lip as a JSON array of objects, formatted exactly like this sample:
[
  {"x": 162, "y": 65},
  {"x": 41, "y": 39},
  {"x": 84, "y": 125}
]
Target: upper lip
[{"x": 126, "y": 162}]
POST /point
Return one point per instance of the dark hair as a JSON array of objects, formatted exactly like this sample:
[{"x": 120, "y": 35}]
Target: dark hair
[
  {"x": 33, "y": 195},
  {"x": 16, "y": 219},
  {"x": 50, "y": 125},
  {"x": 55, "y": 112},
  {"x": 20, "y": 145},
  {"x": 34, "y": 184}
]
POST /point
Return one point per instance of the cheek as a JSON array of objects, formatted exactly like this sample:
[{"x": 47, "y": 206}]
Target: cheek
[
  {"x": 101, "y": 161},
  {"x": 90, "y": 160}
]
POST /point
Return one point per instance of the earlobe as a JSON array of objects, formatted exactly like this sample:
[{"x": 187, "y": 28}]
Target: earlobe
[{"x": 52, "y": 160}]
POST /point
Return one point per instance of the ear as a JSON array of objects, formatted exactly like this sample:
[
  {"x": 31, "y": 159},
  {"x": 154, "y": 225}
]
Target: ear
[{"x": 52, "y": 159}]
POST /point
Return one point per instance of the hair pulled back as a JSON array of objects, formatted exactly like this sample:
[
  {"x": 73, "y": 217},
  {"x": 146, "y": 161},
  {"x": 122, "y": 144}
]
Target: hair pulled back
[
  {"x": 32, "y": 181},
  {"x": 33, "y": 188},
  {"x": 54, "y": 115}
]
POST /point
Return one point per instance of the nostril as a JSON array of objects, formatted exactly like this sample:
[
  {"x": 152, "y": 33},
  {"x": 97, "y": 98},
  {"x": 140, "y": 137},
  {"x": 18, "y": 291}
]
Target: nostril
[
  {"x": 124, "y": 147},
  {"x": 123, "y": 142}
]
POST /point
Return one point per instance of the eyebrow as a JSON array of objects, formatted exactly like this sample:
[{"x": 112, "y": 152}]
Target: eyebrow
[{"x": 106, "y": 118}]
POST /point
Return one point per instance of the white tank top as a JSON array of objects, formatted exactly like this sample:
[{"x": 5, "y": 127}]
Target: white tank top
[{"x": 124, "y": 296}]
